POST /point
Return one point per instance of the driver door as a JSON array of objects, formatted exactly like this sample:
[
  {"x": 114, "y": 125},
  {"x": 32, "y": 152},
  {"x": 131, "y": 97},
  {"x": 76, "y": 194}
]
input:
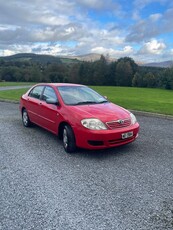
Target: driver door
[{"x": 49, "y": 112}]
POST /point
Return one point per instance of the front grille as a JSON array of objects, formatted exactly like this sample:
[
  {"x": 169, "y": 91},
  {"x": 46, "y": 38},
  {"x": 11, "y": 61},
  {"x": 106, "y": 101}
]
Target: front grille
[{"x": 119, "y": 123}]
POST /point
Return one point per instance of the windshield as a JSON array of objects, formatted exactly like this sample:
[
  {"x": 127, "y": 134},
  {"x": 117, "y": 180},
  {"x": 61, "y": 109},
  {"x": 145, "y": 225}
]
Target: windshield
[{"x": 80, "y": 95}]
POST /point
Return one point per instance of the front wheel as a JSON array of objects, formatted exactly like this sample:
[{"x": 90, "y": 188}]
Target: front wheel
[
  {"x": 25, "y": 118},
  {"x": 69, "y": 142}
]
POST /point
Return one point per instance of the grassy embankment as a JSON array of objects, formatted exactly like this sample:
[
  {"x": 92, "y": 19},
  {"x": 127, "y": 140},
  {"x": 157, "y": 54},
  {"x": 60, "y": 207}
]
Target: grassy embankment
[
  {"x": 13, "y": 95},
  {"x": 141, "y": 99}
]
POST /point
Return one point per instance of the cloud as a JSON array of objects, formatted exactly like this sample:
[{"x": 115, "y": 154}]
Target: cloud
[
  {"x": 37, "y": 13},
  {"x": 40, "y": 48},
  {"x": 152, "y": 47},
  {"x": 126, "y": 51},
  {"x": 155, "y": 25},
  {"x": 155, "y": 17},
  {"x": 63, "y": 27},
  {"x": 93, "y": 4},
  {"x": 109, "y": 5},
  {"x": 145, "y": 29},
  {"x": 7, "y": 52},
  {"x": 140, "y": 4}
]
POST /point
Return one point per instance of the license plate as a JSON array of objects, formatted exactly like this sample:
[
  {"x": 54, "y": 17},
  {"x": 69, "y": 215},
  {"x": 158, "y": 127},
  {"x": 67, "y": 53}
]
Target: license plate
[{"x": 127, "y": 135}]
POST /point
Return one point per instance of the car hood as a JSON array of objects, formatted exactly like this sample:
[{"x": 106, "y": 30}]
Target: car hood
[{"x": 104, "y": 112}]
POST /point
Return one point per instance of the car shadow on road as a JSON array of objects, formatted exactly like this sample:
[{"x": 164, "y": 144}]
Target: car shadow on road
[
  {"x": 105, "y": 153},
  {"x": 84, "y": 153}
]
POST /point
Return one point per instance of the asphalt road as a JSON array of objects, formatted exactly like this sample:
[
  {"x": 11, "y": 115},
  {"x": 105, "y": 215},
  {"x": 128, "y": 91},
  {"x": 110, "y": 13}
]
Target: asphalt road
[
  {"x": 2, "y": 88},
  {"x": 124, "y": 188}
]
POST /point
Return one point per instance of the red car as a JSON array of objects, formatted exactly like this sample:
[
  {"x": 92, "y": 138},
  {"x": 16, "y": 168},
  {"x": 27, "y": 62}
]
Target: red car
[{"x": 78, "y": 115}]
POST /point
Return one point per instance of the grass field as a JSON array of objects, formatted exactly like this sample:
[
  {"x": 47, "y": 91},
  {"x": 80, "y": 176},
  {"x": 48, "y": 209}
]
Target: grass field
[
  {"x": 12, "y": 95},
  {"x": 141, "y": 99}
]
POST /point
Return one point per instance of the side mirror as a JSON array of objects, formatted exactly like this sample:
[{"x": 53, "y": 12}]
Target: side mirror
[{"x": 52, "y": 101}]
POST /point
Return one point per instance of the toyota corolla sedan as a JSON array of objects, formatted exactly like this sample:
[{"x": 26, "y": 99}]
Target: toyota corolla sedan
[{"x": 78, "y": 115}]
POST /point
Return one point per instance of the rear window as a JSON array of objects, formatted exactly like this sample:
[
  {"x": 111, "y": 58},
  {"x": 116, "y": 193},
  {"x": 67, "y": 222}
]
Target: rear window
[{"x": 36, "y": 92}]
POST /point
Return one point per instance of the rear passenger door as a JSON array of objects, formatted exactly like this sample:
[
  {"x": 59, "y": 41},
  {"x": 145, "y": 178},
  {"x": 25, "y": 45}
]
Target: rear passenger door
[{"x": 33, "y": 103}]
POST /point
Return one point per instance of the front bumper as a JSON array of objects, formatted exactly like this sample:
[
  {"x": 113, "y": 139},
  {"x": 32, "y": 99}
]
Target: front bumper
[{"x": 92, "y": 139}]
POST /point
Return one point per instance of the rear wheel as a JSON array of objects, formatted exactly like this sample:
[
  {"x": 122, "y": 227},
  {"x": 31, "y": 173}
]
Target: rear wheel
[
  {"x": 25, "y": 118},
  {"x": 69, "y": 143}
]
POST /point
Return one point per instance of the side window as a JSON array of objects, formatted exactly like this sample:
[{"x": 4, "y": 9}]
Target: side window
[
  {"x": 49, "y": 93},
  {"x": 36, "y": 92}
]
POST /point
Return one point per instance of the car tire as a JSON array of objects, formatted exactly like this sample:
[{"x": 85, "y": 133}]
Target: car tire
[
  {"x": 25, "y": 118},
  {"x": 68, "y": 139}
]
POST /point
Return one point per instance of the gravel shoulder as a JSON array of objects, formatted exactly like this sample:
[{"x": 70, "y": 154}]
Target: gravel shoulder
[{"x": 124, "y": 188}]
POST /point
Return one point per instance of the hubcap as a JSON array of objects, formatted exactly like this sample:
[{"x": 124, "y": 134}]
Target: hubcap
[
  {"x": 25, "y": 118},
  {"x": 65, "y": 138}
]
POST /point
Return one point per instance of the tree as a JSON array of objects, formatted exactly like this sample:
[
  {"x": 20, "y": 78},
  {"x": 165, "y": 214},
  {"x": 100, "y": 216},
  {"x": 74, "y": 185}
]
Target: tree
[
  {"x": 8, "y": 73},
  {"x": 166, "y": 78},
  {"x": 74, "y": 73},
  {"x": 111, "y": 75},
  {"x": 149, "y": 80},
  {"x": 133, "y": 65},
  {"x": 55, "y": 72},
  {"x": 137, "y": 80},
  {"x": 124, "y": 73},
  {"x": 36, "y": 74},
  {"x": 2, "y": 62},
  {"x": 100, "y": 71},
  {"x": 86, "y": 73}
]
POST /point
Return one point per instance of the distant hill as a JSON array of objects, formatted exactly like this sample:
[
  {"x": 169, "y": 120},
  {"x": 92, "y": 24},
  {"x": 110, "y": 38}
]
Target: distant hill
[
  {"x": 31, "y": 57},
  {"x": 92, "y": 57},
  {"x": 87, "y": 57},
  {"x": 40, "y": 58},
  {"x": 165, "y": 64}
]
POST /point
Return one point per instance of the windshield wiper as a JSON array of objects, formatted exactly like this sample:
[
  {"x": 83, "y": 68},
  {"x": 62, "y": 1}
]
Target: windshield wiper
[
  {"x": 86, "y": 102},
  {"x": 100, "y": 102}
]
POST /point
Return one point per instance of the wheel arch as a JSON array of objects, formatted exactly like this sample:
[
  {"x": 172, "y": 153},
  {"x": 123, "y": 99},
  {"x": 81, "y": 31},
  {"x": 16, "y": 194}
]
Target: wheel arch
[
  {"x": 60, "y": 128},
  {"x": 22, "y": 109}
]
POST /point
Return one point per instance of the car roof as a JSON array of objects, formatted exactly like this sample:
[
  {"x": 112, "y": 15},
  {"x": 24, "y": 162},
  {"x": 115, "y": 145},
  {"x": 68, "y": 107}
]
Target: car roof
[{"x": 60, "y": 84}]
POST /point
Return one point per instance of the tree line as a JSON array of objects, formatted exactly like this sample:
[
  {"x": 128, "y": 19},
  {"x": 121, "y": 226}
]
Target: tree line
[{"x": 123, "y": 72}]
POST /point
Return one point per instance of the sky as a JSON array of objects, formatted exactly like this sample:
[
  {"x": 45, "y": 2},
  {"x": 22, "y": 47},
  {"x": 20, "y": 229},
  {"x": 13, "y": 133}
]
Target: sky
[{"x": 140, "y": 29}]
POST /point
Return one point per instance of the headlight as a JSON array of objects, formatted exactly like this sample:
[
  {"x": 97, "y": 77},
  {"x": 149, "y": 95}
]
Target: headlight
[
  {"x": 133, "y": 118},
  {"x": 93, "y": 123}
]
